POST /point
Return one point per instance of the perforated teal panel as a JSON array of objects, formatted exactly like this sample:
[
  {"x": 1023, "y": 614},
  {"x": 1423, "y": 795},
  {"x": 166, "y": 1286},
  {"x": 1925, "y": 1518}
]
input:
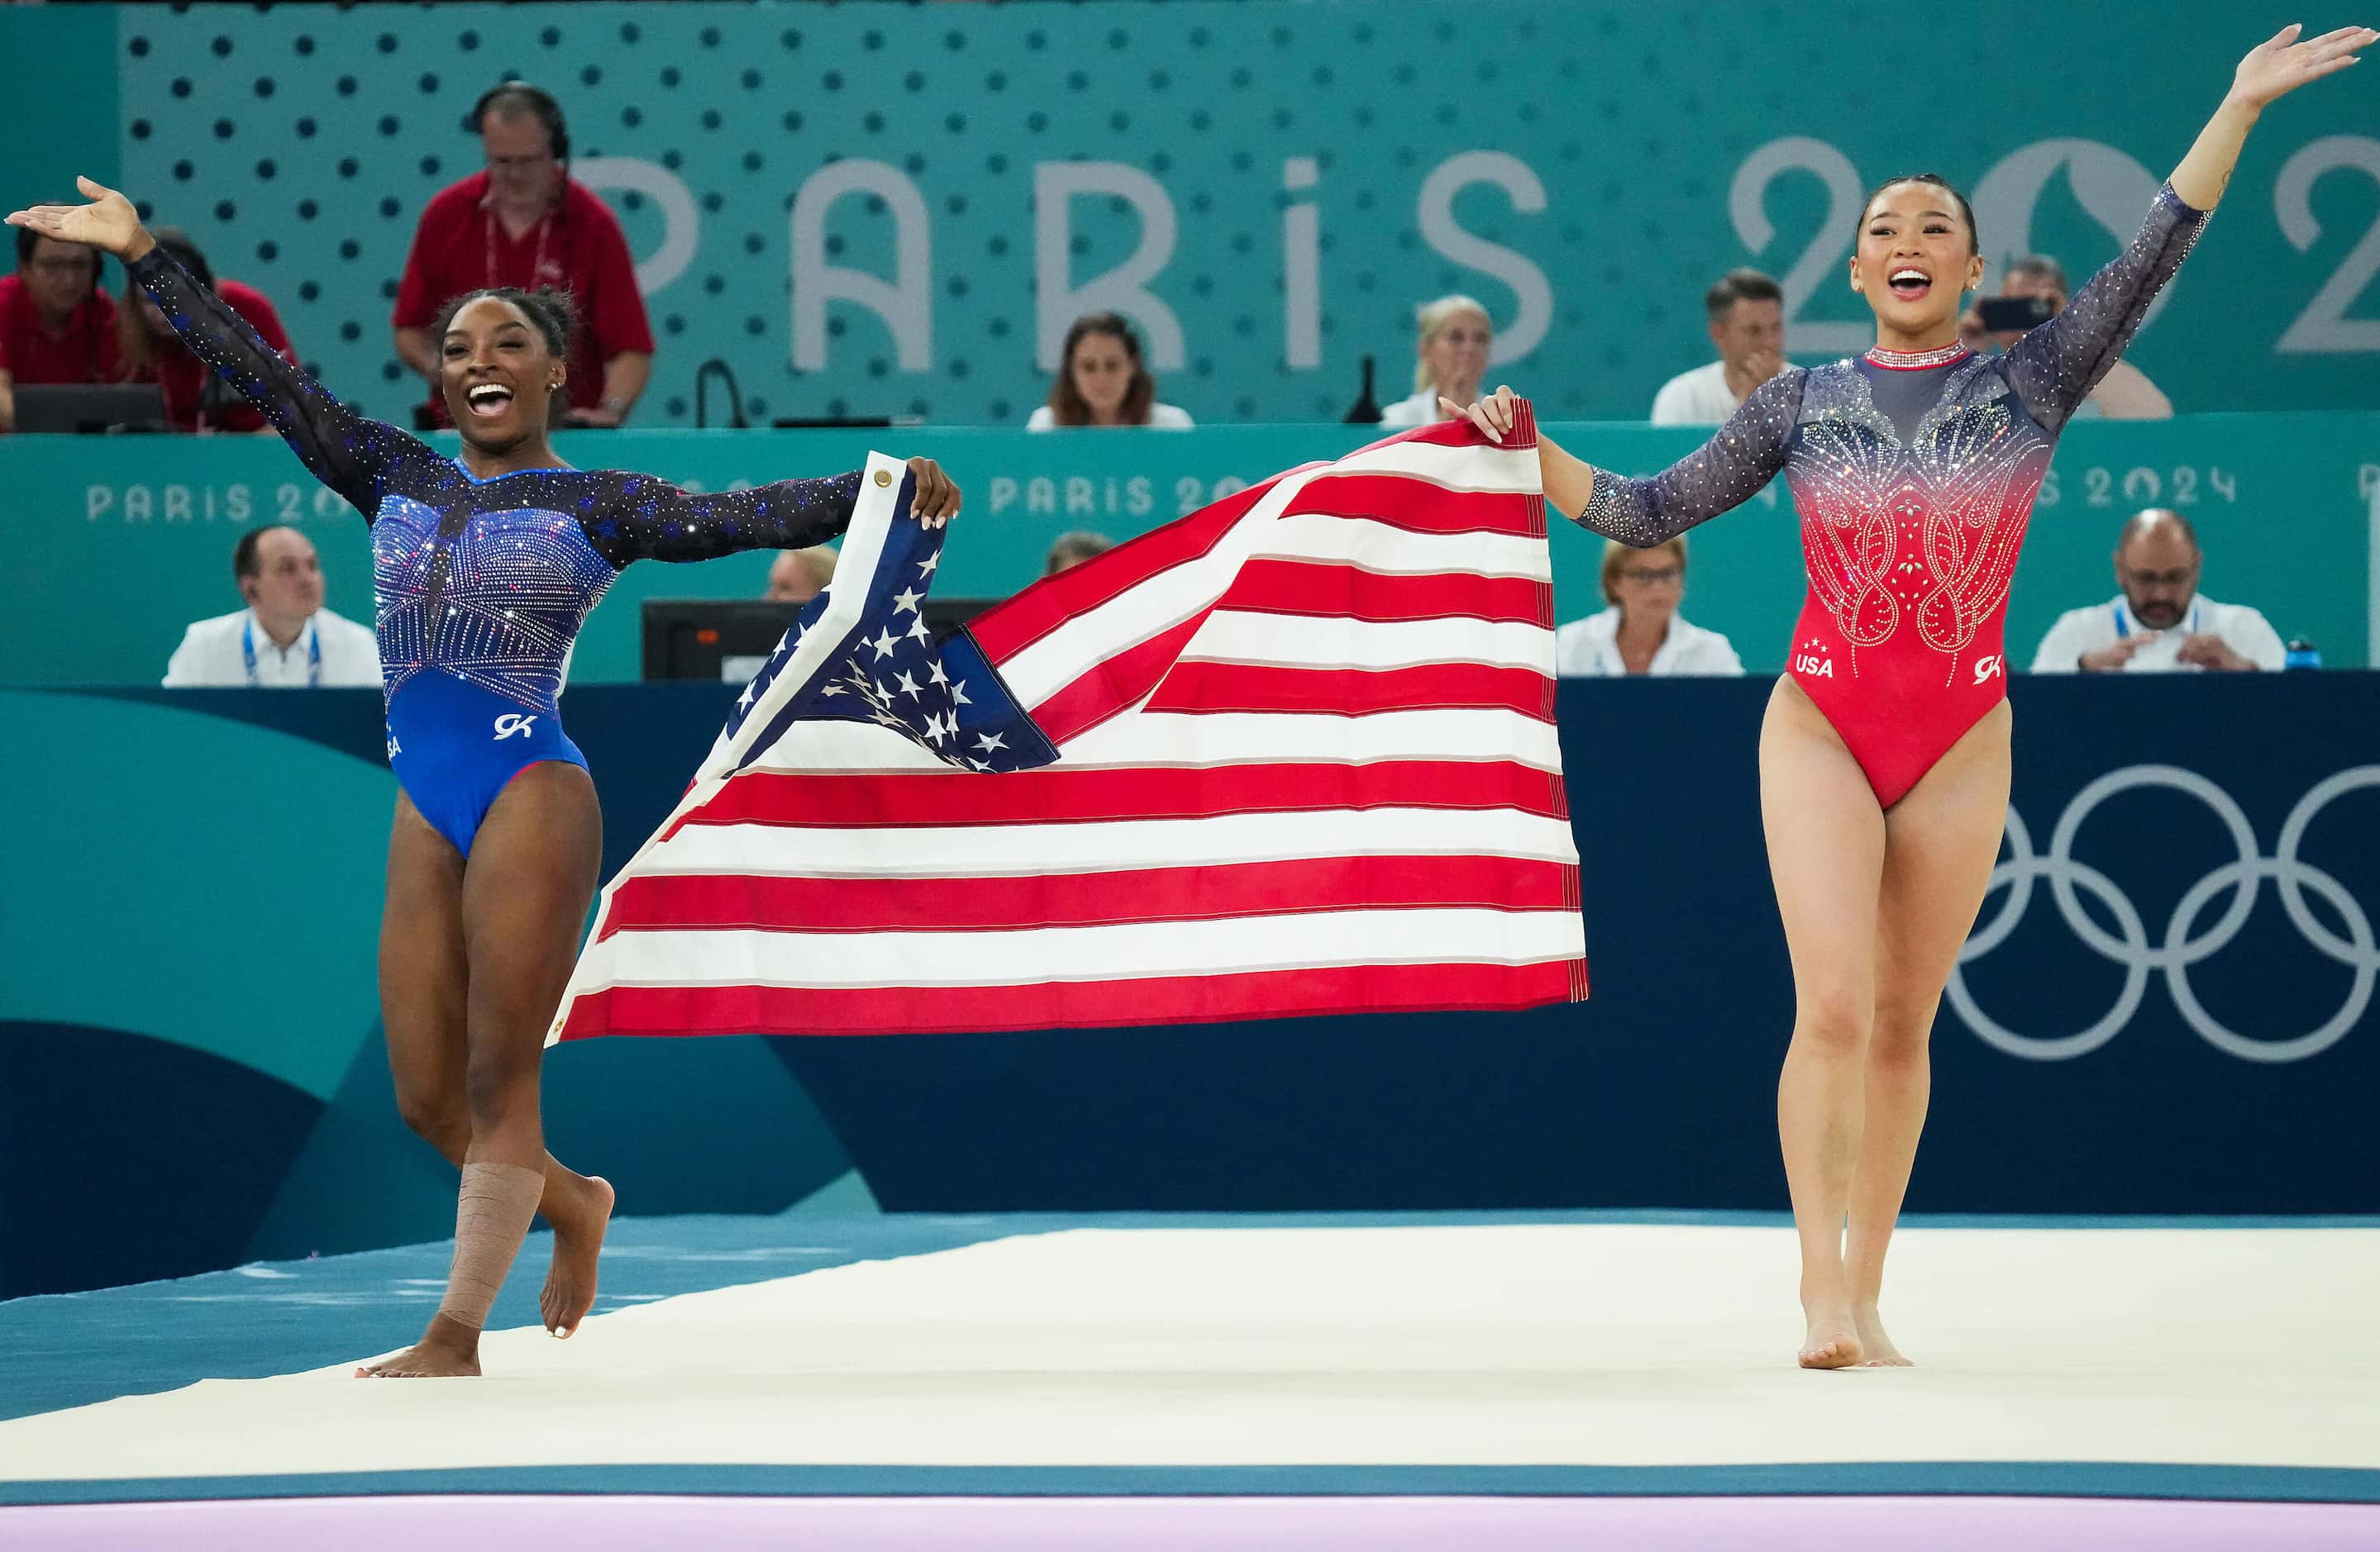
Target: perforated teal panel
[{"x": 1616, "y": 157}]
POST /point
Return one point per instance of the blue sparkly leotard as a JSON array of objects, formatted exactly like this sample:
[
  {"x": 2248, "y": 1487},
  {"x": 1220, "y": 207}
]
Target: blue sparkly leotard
[
  {"x": 1913, "y": 476},
  {"x": 479, "y": 585}
]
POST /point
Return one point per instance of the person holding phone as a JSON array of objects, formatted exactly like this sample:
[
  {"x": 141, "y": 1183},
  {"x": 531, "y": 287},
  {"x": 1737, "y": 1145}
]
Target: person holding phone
[
  {"x": 2033, "y": 291},
  {"x": 1885, "y": 752}
]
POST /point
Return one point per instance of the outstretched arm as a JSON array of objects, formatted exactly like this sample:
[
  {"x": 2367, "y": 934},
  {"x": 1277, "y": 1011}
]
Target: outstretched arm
[
  {"x": 343, "y": 449},
  {"x": 1723, "y": 474},
  {"x": 2055, "y": 367},
  {"x": 652, "y": 519}
]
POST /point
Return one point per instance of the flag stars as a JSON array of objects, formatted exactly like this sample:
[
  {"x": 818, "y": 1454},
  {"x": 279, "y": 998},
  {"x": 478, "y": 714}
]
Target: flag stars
[
  {"x": 990, "y": 741},
  {"x": 907, "y": 598},
  {"x": 925, "y": 568},
  {"x": 908, "y": 686},
  {"x": 884, "y": 642}
]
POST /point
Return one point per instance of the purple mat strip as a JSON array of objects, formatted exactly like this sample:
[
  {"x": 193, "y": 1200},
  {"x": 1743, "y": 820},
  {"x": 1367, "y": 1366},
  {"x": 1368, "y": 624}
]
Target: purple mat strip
[{"x": 1154, "y": 1525}]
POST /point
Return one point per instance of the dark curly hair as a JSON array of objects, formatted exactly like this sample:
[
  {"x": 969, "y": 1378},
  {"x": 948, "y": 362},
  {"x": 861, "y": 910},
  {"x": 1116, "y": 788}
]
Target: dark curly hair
[{"x": 551, "y": 312}]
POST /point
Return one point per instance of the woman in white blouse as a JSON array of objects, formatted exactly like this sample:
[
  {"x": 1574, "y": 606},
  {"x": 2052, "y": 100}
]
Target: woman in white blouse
[
  {"x": 1450, "y": 358},
  {"x": 1643, "y": 632},
  {"x": 1102, "y": 381}
]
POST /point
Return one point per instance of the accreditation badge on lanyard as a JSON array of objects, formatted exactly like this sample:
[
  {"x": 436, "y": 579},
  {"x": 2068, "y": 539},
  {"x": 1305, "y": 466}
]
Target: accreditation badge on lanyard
[
  {"x": 313, "y": 657},
  {"x": 543, "y": 269}
]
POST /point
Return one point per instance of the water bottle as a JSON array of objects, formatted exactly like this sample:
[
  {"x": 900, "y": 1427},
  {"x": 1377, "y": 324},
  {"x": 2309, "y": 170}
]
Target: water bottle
[
  {"x": 2301, "y": 654},
  {"x": 1365, "y": 410}
]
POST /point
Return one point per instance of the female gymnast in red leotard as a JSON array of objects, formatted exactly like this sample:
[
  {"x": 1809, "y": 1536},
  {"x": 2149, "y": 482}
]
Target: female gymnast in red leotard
[{"x": 1884, "y": 757}]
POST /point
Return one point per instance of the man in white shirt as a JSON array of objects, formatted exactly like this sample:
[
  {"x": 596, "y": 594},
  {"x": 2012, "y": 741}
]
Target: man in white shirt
[
  {"x": 2160, "y": 622},
  {"x": 1747, "y": 324},
  {"x": 285, "y": 636}
]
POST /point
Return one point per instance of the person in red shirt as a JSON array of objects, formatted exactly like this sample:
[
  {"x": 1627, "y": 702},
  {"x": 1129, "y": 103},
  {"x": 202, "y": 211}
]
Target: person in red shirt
[
  {"x": 196, "y": 399},
  {"x": 524, "y": 223},
  {"x": 56, "y": 325}
]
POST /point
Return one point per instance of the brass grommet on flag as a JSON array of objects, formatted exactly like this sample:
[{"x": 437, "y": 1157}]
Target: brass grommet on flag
[{"x": 884, "y": 476}]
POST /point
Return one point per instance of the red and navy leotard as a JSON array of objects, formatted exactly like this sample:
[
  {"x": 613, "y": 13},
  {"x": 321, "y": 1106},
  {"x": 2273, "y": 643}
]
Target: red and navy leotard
[
  {"x": 479, "y": 585},
  {"x": 1913, "y": 476}
]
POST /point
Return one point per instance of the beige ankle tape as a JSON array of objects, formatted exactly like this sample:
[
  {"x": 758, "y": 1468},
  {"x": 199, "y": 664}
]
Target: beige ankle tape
[{"x": 491, "y": 1217}]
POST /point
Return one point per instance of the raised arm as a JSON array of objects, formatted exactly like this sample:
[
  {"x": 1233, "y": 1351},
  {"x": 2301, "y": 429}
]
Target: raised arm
[
  {"x": 652, "y": 519},
  {"x": 343, "y": 449},
  {"x": 2055, "y": 367}
]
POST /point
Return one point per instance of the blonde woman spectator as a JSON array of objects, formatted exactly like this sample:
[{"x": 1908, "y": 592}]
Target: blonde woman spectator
[
  {"x": 1448, "y": 360},
  {"x": 799, "y": 575},
  {"x": 1104, "y": 382},
  {"x": 1642, "y": 632}
]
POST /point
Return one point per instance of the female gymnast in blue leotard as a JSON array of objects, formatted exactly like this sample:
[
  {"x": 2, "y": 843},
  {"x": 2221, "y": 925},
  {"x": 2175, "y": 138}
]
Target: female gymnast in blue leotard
[{"x": 483, "y": 566}]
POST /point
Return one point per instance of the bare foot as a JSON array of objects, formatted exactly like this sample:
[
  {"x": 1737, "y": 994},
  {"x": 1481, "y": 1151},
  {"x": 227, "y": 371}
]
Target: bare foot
[
  {"x": 1832, "y": 1341},
  {"x": 448, "y": 1350},
  {"x": 1880, "y": 1352},
  {"x": 577, "y": 1244}
]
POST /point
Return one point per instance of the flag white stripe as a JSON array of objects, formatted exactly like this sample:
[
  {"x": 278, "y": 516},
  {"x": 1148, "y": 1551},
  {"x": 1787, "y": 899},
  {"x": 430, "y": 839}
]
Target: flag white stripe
[
  {"x": 1165, "y": 740},
  {"x": 1394, "y": 551},
  {"x": 1309, "y": 642},
  {"x": 1177, "y": 739},
  {"x": 1124, "y": 952},
  {"x": 1106, "y": 845},
  {"x": 1478, "y": 467}
]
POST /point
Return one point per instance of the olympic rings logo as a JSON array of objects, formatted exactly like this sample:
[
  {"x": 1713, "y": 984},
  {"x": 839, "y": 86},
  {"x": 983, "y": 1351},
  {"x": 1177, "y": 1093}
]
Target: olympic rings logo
[{"x": 2183, "y": 945}]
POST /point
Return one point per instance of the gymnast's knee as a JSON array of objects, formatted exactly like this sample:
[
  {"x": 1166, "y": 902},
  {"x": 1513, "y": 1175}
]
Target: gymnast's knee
[
  {"x": 1900, "y": 1040},
  {"x": 438, "y": 1118},
  {"x": 1834, "y": 1024},
  {"x": 499, "y": 1082}
]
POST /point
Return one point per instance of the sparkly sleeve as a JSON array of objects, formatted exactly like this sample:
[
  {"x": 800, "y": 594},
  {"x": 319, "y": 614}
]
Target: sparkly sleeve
[
  {"x": 1723, "y": 473},
  {"x": 650, "y": 519},
  {"x": 2054, "y": 368},
  {"x": 347, "y": 450}
]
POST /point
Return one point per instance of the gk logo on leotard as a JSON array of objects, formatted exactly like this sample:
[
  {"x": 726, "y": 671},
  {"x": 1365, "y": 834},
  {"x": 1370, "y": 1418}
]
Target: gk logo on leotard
[
  {"x": 2129, "y": 946},
  {"x": 513, "y": 722},
  {"x": 1987, "y": 668}
]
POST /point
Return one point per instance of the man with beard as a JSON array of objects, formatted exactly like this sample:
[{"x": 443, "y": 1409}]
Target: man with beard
[{"x": 2160, "y": 622}]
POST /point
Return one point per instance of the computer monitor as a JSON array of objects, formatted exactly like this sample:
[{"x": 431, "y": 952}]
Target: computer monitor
[
  {"x": 728, "y": 639},
  {"x": 90, "y": 406}
]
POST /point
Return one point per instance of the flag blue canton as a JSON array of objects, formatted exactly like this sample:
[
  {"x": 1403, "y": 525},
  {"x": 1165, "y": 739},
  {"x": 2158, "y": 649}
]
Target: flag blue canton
[{"x": 888, "y": 668}]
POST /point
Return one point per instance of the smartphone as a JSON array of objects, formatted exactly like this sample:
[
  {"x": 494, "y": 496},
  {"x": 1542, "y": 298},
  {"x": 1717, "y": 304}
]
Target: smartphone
[{"x": 2013, "y": 315}]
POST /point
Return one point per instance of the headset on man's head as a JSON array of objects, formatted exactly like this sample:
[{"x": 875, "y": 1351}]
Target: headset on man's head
[{"x": 539, "y": 101}]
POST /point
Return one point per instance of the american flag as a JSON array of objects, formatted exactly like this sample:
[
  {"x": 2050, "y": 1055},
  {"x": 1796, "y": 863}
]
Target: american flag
[{"x": 1294, "y": 752}]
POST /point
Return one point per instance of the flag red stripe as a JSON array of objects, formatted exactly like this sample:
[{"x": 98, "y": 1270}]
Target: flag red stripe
[
  {"x": 1326, "y": 589},
  {"x": 1113, "y": 684},
  {"x": 1356, "y": 692},
  {"x": 1375, "y": 988},
  {"x": 1056, "y": 794},
  {"x": 1004, "y": 631},
  {"x": 699, "y": 901},
  {"x": 1417, "y": 506}
]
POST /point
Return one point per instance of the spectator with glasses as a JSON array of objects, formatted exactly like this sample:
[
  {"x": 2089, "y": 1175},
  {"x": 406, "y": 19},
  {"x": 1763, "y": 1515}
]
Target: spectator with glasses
[
  {"x": 525, "y": 222},
  {"x": 2160, "y": 621},
  {"x": 56, "y": 325},
  {"x": 1642, "y": 632}
]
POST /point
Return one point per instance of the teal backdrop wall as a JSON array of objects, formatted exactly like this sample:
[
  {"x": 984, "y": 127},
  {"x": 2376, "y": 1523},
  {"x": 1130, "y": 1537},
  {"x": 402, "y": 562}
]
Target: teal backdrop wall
[
  {"x": 117, "y": 542},
  {"x": 893, "y": 209}
]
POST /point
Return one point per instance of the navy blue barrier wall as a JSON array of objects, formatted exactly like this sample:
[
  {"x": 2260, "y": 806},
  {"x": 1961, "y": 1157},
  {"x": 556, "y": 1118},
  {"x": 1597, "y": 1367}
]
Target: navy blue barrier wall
[
  {"x": 2190, "y": 1030},
  {"x": 1659, "y": 1091}
]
